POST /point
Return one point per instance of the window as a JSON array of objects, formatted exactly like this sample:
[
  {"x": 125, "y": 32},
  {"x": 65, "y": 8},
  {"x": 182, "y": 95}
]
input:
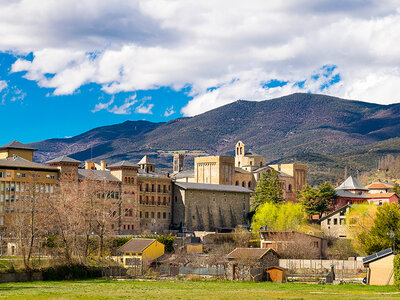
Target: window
[
  {"x": 152, "y": 200},
  {"x": 316, "y": 244},
  {"x": 335, "y": 221},
  {"x": 159, "y": 188},
  {"x": 158, "y": 215},
  {"x": 147, "y": 200},
  {"x": 176, "y": 198},
  {"x": 140, "y": 214},
  {"x": 249, "y": 184},
  {"x": 164, "y": 215},
  {"x": 146, "y": 214},
  {"x": 243, "y": 184},
  {"x": 165, "y": 200},
  {"x": 140, "y": 199},
  {"x": 341, "y": 221},
  {"x": 147, "y": 187},
  {"x": 2, "y": 174},
  {"x": 152, "y": 214},
  {"x": 24, "y": 175},
  {"x": 289, "y": 187},
  {"x": 193, "y": 217},
  {"x": 126, "y": 179},
  {"x": 329, "y": 221},
  {"x": 18, "y": 175},
  {"x": 129, "y": 227},
  {"x": 124, "y": 226},
  {"x": 164, "y": 188},
  {"x": 8, "y": 174},
  {"x": 169, "y": 215},
  {"x": 237, "y": 182},
  {"x": 159, "y": 200},
  {"x": 152, "y": 187}
]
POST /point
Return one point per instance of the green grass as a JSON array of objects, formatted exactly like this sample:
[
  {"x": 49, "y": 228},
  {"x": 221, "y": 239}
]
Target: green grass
[{"x": 105, "y": 289}]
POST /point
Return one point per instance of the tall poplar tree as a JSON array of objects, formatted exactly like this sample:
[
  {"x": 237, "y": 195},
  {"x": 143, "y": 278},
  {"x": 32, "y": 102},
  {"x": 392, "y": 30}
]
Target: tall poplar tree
[{"x": 268, "y": 189}]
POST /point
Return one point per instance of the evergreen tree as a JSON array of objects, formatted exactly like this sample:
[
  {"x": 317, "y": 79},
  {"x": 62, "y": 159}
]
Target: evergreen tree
[
  {"x": 268, "y": 189},
  {"x": 318, "y": 201}
]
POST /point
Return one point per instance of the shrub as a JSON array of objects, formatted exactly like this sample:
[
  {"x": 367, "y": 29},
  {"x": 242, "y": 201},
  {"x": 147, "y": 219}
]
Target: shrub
[
  {"x": 69, "y": 272},
  {"x": 396, "y": 271}
]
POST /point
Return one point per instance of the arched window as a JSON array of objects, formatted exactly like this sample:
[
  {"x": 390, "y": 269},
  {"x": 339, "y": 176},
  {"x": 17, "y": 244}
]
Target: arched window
[
  {"x": 243, "y": 184},
  {"x": 260, "y": 163},
  {"x": 290, "y": 187},
  {"x": 239, "y": 164},
  {"x": 249, "y": 184},
  {"x": 237, "y": 182}
]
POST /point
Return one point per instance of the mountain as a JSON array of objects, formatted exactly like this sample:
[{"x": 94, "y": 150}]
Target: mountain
[{"x": 290, "y": 126}]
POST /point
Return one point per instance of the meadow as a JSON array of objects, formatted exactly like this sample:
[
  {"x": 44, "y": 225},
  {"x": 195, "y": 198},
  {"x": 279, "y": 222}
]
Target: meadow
[{"x": 112, "y": 289}]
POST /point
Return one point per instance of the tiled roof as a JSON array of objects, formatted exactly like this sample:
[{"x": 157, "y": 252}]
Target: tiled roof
[
  {"x": 97, "y": 175},
  {"x": 63, "y": 158},
  {"x": 144, "y": 174},
  {"x": 136, "y": 245},
  {"x": 123, "y": 163},
  {"x": 212, "y": 187},
  {"x": 255, "y": 253},
  {"x": 19, "y": 162},
  {"x": 380, "y": 185},
  {"x": 16, "y": 145},
  {"x": 145, "y": 160},
  {"x": 183, "y": 174},
  {"x": 380, "y": 195},
  {"x": 334, "y": 212},
  {"x": 346, "y": 194},
  {"x": 351, "y": 184}
]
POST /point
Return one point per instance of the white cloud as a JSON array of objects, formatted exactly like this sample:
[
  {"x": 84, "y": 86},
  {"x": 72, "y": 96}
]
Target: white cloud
[
  {"x": 124, "y": 109},
  {"x": 169, "y": 111},
  {"x": 3, "y": 85},
  {"x": 143, "y": 109},
  {"x": 224, "y": 50},
  {"x": 101, "y": 105}
]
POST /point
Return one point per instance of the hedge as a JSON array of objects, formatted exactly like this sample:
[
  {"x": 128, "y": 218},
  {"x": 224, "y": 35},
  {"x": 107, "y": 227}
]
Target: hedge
[
  {"x": 69, "y": 272},
  {"x": 396, "y": 271}
]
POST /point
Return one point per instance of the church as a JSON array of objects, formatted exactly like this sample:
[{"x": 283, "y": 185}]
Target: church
[{"x": 245, "y": 170}]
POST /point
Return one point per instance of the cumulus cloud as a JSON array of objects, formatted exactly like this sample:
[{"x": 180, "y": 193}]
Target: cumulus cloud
[
  {"x": 101, "y": 105},
  {"x": 223, "y": 50},
  {"x": 169, "y": 111}
]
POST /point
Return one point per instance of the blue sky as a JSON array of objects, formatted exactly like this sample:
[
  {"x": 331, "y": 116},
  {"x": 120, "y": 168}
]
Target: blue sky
[{"x": 68, "y": 66}]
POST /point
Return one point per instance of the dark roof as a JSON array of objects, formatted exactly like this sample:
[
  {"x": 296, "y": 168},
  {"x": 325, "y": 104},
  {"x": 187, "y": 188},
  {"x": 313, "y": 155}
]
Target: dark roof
[
  {"x": 19, "y": 162},
  {"x": 97, "y": 175},
  {"x": 351, "y": 184},
  {"x": 123, "y": 163},
  {"x": 334, "y": 212},
  {"x": 212, "y": 187},
  {"x": 63, "y": 158},
  {"x": 346, "y": 194},
  {"x": 378, "y": 255},
  {"x": 251, "y": 153},
  {"x": 256, "y": 253},
  {"x": 183, "y": 174},
  {"x": 17, "y": 145},
  {"x": 136, "y": 245}
]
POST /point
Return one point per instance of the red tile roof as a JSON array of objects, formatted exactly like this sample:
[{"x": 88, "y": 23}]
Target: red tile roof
[
  {"x": 379, "y": 185},
  {"x": 380, "y": 195}
]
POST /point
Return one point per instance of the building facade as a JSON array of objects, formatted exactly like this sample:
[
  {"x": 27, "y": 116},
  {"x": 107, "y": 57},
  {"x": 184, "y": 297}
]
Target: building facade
[{"x": 208, "y": 207}]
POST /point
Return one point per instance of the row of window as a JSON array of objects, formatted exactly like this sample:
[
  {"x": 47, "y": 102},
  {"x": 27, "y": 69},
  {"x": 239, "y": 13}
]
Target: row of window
[
  {"x": 151, "y": 201},
  {"x": 129, "y": 180},
  {"x": 12, "y": 187},
  {"x": 243, "y": 184},
  {"x": 129, "y": 227},
  {"x": 335, "y": 221},
  {"x": 151, "y": 188},
  {"x": 152, "y": 215},
  {"x": 23, "y": 175}
]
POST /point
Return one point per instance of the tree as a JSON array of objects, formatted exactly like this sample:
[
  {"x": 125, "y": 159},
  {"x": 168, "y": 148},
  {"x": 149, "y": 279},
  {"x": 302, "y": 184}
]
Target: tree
[
  {"x": 318, "y": 201},
  {"x": 396, "y": 189},
  {"x": 268, "y": 189},
  {"x": 359, "y": 221},
  {"x": 287, "y": 216},
  {"x": 385, "y": 233}
]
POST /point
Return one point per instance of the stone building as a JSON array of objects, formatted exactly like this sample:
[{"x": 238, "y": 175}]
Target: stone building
[
  {"x": 245, "y": 170},
  {"x": 334, "y": 223},
  {"x": 207, "y": 207}
]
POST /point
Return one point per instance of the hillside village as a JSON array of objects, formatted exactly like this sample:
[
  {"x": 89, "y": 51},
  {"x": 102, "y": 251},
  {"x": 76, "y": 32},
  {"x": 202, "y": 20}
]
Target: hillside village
[{"x": 207, "y": 217}]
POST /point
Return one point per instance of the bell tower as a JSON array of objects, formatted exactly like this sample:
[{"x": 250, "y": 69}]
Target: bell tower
[
  {"x": 178, "y": 162},
  {"x": 239, "y": 154}
]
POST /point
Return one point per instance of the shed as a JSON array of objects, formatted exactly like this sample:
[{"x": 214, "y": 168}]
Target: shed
[
  {"x": 138, "y": 249},
  {"x": 276, "y": 274},
  {"x": 380, "y": 267}
]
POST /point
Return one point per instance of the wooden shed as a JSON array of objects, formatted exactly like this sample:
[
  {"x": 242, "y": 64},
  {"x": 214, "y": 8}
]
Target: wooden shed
[{"x": 276, "y": 274}]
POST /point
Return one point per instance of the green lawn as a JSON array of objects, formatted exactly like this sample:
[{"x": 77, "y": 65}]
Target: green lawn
[{"x": 105, "y": 289}]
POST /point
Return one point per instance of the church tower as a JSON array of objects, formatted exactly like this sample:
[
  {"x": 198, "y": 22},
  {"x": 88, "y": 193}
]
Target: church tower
[
  {"x": 178, "y": 162},
  {"x": 239, "y": 154}
]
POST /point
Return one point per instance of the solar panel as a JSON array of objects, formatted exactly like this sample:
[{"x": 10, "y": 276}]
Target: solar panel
[{"x": 375, "y": 256}]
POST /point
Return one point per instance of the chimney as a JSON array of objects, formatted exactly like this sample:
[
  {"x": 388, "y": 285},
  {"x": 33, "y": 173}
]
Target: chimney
[
  {"x": 103, "y": 165},
  {"x": 89, "y": 165}
]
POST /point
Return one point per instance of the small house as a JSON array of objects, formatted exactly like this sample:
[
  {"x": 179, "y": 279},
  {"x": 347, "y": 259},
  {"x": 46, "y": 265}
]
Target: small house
[
  {"x": 138, "y": 250},
  {"x": 334, "y": 223},
  {"x": 276, "y": 274},
  {"x": 250, "y": 263},
  {"x": 380, "y": 267}
]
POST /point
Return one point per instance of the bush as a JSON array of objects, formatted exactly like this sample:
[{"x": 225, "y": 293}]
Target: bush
[
  {"x": 69, "y": 272},
  {"x": 396, "y": 271}
]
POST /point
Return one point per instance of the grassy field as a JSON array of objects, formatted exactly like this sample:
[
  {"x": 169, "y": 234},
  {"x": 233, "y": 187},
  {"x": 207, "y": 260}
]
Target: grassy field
[{"x": 105, "y": 289}]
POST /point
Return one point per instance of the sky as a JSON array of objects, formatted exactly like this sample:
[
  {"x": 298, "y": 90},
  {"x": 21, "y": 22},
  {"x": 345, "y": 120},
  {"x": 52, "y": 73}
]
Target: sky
[{"x": 67, "y": 66}]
